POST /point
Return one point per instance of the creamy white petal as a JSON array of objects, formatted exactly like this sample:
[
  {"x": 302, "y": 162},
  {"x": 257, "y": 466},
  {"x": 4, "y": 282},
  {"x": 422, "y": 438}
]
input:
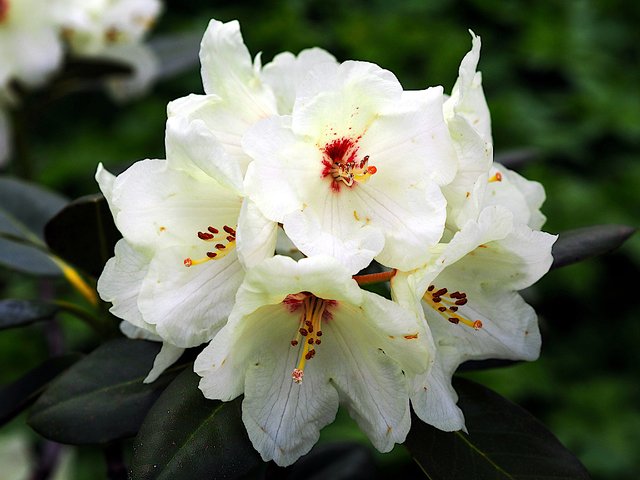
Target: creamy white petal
[
  {"x": 256, "y": 235},
  {"x": 189, "y": 305},
  {"x": 129, "y": 330},
  {"x": 226, "y": 121},
  {"x": 121, "y": 280},
  {"x": 160, "y": 207},
  {"x": 467, "y": 97},
  {"x": 344, "y": 103},
  {"x": 191, "y": 147},
  {"x": 145, "y": 66},
  {"x": 285, "y": 170},
  {"x": 287, "y": 71},
  {"x": 167, "y": 356},
  {"x": 353, "y": 243},
  {"x": 227, "y": 70},
  {"x": 533, "y": 194}
]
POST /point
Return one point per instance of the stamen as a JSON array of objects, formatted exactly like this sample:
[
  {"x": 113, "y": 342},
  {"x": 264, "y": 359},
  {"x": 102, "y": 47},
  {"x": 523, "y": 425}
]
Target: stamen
[
  {"x": 314, "y": 311},
  {"x": 447, "y": 305},
  {"x": 210, "y": 236},
  {"x": 496, "y": 178},
  {"x": 341, "y": 163}
]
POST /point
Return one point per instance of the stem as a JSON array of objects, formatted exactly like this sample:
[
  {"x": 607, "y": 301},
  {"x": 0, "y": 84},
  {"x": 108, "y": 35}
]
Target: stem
[{"x": 374, "y": 277}]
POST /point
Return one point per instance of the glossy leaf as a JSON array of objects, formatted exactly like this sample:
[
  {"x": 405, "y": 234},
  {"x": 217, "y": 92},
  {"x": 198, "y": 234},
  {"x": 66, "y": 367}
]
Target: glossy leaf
[
  {"x": 186, "y": 436},
  {"x": 505, "y": 442},
  {"x": 575, "y": 245},
  {"x": 84, "y": 234},
  {"x": 25, "y": 257},
  {"x": 16, "y": 313},
  {"x": 18, "y": 395},
  {"x": 25, "y": 208},
  {"x": 102, "y": 397}
]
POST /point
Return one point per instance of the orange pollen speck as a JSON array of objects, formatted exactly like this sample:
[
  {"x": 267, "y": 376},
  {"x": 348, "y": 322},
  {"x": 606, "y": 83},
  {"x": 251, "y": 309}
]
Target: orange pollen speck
[
  {"x": 496, "y": 178},
  {"x": 313, "y": 311},
  {"x": 447, "y": 305},
  {"x": 224, "y": 244}
]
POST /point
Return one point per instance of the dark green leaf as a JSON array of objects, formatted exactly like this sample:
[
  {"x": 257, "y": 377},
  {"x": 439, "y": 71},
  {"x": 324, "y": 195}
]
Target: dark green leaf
[
  {"x": 84, "y": 233},
  {"x": 337, "y": 461},
  {"x": 575, "y": 245},
  {"x": 16, "y": 313},
  {"x": 176, "y": 53},
  {"x": 27, "y": 258},
  {"x": 17, "y": 396},
  {"x": 504, "y": 442},
  {"x": 26, "y": 208},
  {"x": 186, "y": 436},
  {"x": 102, "y": 397}
]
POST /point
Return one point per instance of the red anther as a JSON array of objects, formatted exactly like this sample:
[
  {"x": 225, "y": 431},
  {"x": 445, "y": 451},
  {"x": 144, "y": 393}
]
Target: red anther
[
  {"x": 371, "y": 169},
  {"x": 229, "y": 230},
  {"x": 318, "y": 341},
  {"x": 303, "y": 332},
  {"x": 456, "y": 294},
  {"x": 231, "y": 238},
  {"x": 440, "y": 292},
  {"x": 188, "y": 262},
  {"x": 213, "y": 230},
  {"x": 311, "y": 328},
  {"x": 366, "y": 158},
  {"x": 436, "y": 299},
  {"x": 477, "y": 324},
  {"x": 294, "y": 343},
  {"x": 204, "y": 236},
  {"x": 310, "y": 341},
  {"x": 453, "y": 308},
  {"x": 442, "y": 309},
  {"x": 220, "y": 246},
  {"x": 310, "y": 354},
  {"x": 462, "y": 301},
  {"x": 430, "y": 289},
  {"x": 212, "y": 254},
  {"x": 319, "y": 333},
  {"x": 454, "y": 320},
  {"x": 308, "y": 323}
]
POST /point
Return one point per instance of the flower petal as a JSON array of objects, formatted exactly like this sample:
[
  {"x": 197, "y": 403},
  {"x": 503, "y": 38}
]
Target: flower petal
[
  {"x": 287, "y": 71},
  {"x": 227, "y": 70},
  {"x": 256, "y": 235},
  {"x": 159, "y": 207},
  {"x": 121, "y": 280},
  {"x": 167, "y": 356},
  {"x": 189, "y": 305},
  {"x": 191, "y": 146}
]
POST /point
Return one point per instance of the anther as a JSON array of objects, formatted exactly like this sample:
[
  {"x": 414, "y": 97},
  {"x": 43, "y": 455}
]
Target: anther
[
  {"x": 212, "y": 254},
  {"x": 204, "y": 236},
  {"x": 440, "y": 292},
  {"x": 318, "y": 341},
  {"x": 442, "y": 309},
  {"x": 477, "y": 324},
  {"x": 431, "y": 288},
  {"x": 213, "y": 230},
  {"x": 229, "y": 230},
  {"x": 294, "y": 343},
  {"x": 220, "y": 246},
  {"x": 454, "y": 320},
  {"x": 319, "y": 333},
  {"x": 310, "y": 341},
  {"x": 303, "y": 332},
  {"x": 462, "y": 301},
  {"x": 188, "y": 262}
]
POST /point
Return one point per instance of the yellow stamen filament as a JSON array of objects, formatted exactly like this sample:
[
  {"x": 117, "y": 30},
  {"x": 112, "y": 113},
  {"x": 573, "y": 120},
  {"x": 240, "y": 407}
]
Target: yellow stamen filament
[
  {"x": 447, "y": 305},
  {"x": 309, "y": 333},
  {"x": 225, "y": 242}
]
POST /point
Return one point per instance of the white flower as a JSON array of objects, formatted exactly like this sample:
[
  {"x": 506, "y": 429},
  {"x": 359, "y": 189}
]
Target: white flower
[
  {"x": 303, "y": 338},
  {"x": 29, "y": 45},
  {"x": 239, "y": 92},
  {"x": 93, "y": 26},
  {"x": 176, "y": 270},
  {"x": 468, "y": 295},
  {"x": 355, "y": 171}
]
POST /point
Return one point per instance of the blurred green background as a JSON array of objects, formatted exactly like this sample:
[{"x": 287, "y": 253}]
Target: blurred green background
[{"x": 562, "y": 79}]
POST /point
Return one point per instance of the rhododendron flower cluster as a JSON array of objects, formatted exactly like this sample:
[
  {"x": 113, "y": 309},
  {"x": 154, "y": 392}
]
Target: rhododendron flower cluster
[{"x": 281, "y": 183}]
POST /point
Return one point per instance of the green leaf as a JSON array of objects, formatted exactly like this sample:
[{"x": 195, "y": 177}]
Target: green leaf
[
  {"x": 18, "y": 395},
  {"x": 186, "y": 436},
  {"x": 27, "y": 258},
  {"x": 504, "y": 442},
  {"x": 16, "y": 313},
  {"x": 25, "y": 208},
  {"x": 102, "y": 397},
  {"x": 83, "y": 233},
  {"x": 576, "y": 245}
]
